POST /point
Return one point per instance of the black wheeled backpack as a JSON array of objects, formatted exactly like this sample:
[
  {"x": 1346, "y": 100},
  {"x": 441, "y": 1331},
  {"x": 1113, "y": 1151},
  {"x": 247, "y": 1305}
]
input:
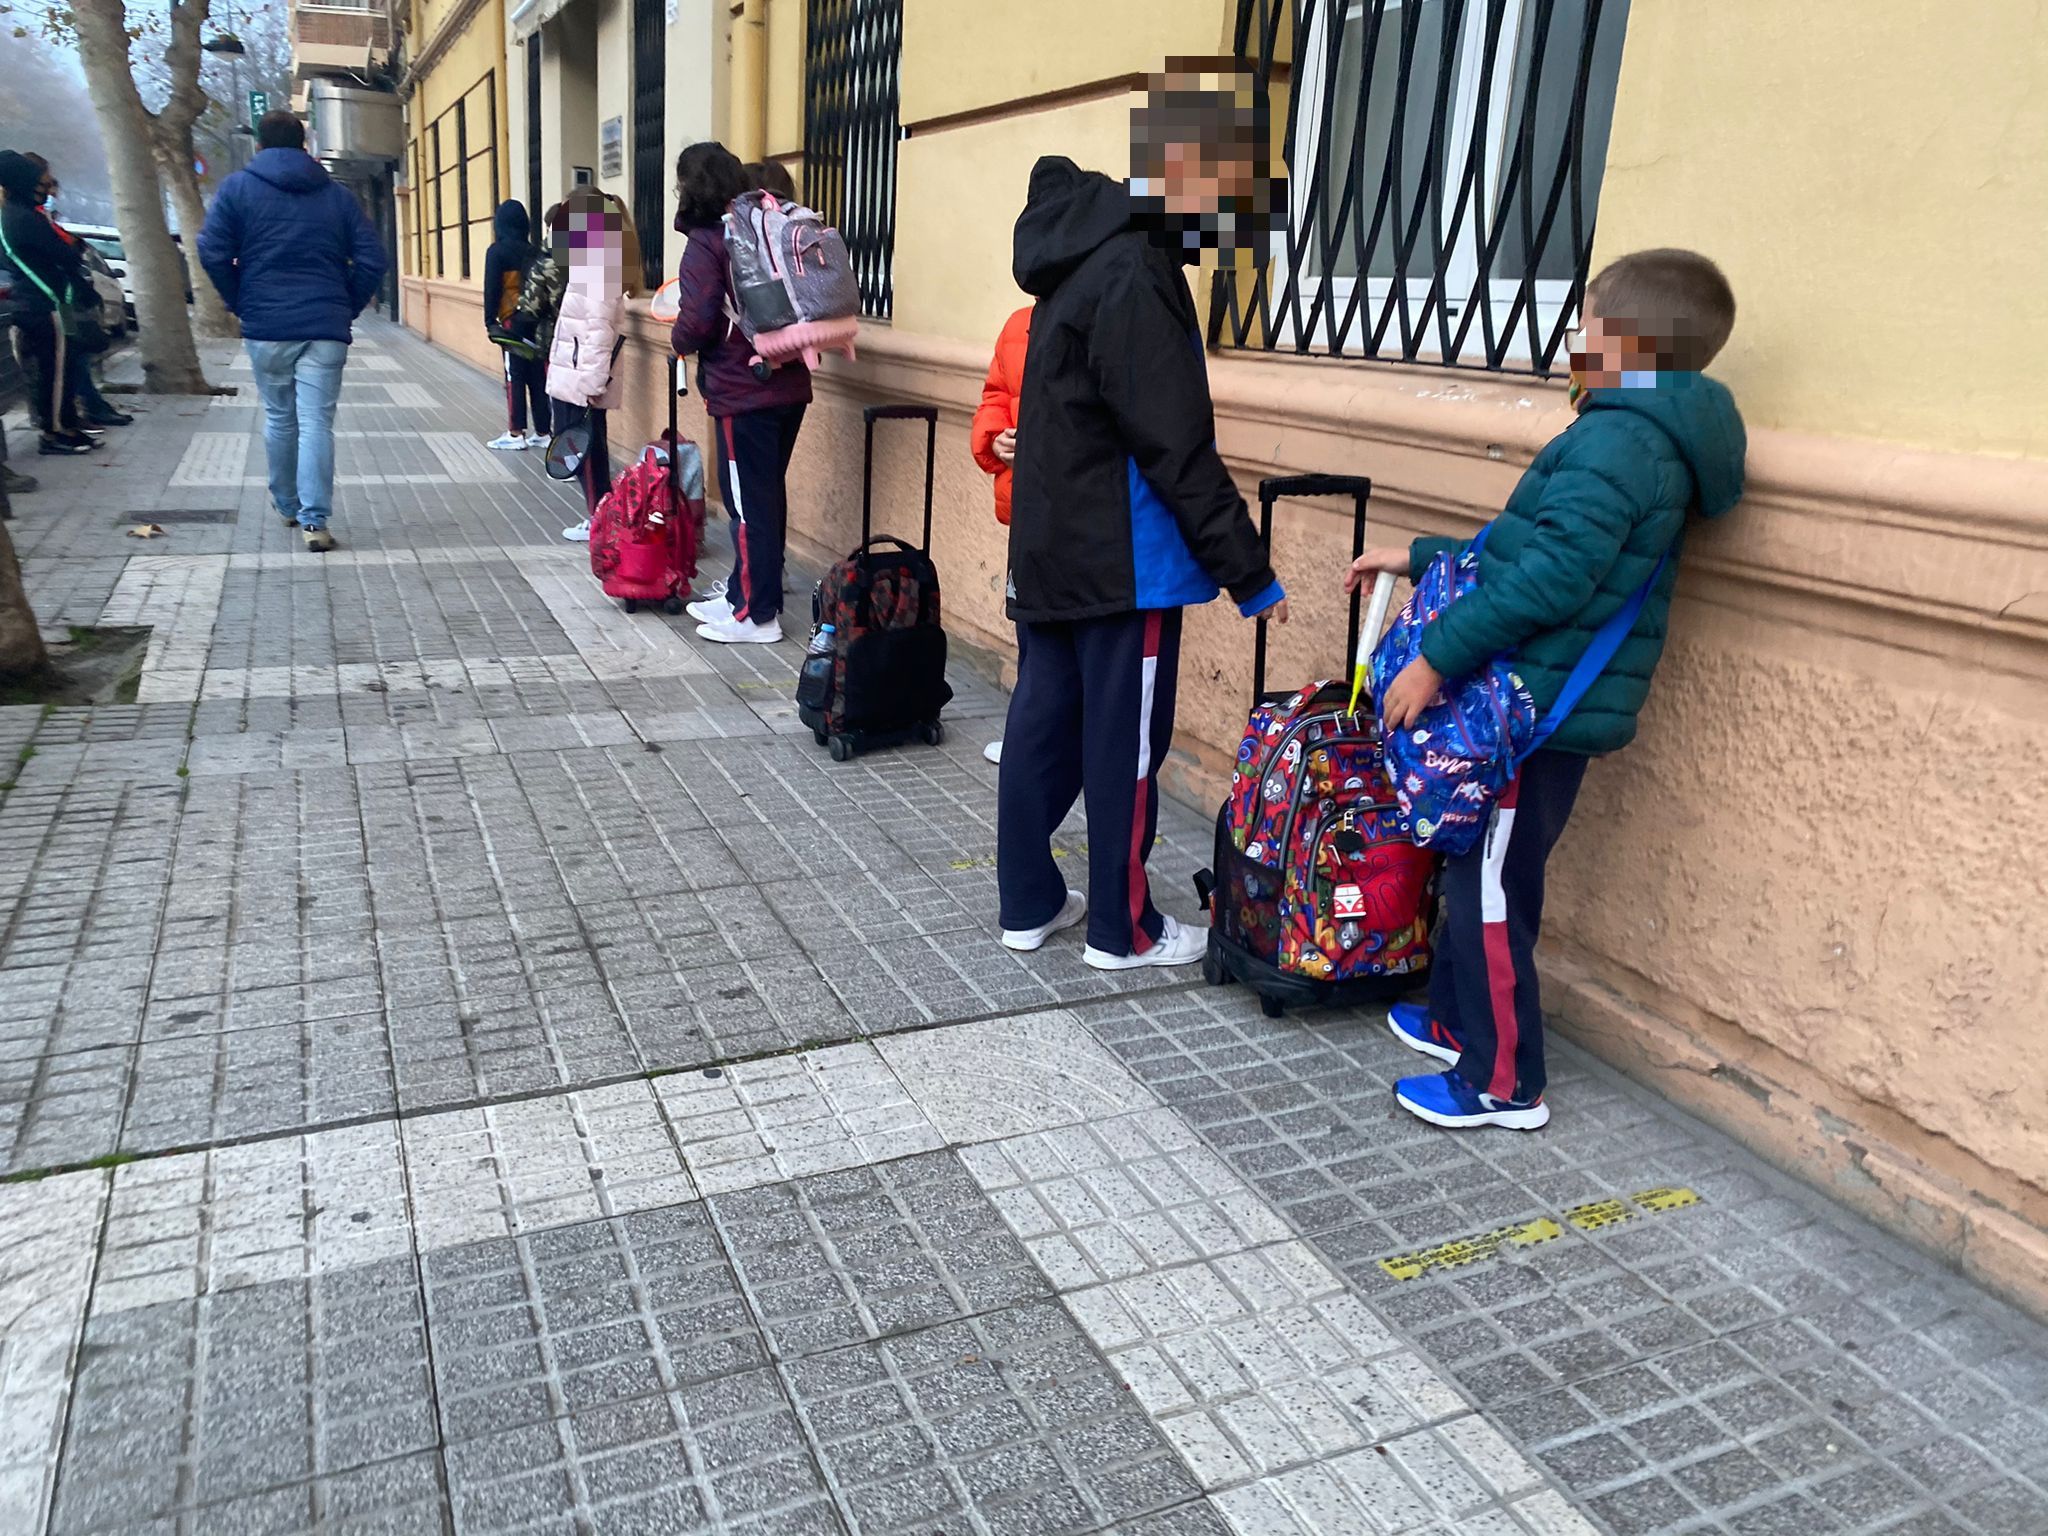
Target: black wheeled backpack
[
  {"x": 1318, "y": 894},
  {"x": 879, "y": 678}
]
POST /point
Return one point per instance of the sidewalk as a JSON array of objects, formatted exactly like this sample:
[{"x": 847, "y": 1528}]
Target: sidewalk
[{"x": 470, "y": 1063}]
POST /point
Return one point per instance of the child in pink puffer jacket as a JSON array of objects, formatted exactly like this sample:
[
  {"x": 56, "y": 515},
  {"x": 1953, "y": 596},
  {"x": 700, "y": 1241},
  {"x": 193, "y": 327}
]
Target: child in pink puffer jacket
[{"x": 603, "y": 259}]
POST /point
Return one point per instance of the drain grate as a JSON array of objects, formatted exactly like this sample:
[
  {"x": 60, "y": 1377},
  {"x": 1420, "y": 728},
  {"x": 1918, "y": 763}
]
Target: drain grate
[{"x": 178, "y": 515}]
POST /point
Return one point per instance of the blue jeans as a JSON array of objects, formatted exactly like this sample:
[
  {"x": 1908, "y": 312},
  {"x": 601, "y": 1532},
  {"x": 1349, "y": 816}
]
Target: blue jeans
[{"x": 300, "y": 382}]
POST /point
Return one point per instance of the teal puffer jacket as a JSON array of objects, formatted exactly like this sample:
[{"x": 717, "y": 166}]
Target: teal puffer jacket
[{"x": 1583, "y": 531}]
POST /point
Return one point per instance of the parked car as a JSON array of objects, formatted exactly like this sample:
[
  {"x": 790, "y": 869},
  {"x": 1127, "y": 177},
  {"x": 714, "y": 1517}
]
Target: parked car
[{"x": 113, "y": 297}]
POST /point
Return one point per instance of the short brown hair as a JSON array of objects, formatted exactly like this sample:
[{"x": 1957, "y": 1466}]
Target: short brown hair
[
  {"x": 1676, "y": 299},
  {"x": 279, "y": 129},
  {"x": 767, "y": 176}
]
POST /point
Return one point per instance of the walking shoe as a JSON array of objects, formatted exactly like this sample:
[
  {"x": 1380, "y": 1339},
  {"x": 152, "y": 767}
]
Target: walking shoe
[
  {"x": 1178, "y": 945},
  {"x": 580, "y": 534},
  {"x": 15, "y": 484},
  {"x": 508, "y": 442},
  {"x": 993, "y": 752},
  {"x": 536, "y": 439},
  {"x": 1414, "y": 1028},
  {"x": 713, "y": 609},
  {"x": 109, "y": 419},
  {"x": 1028, "y": 939},
  {"x": 1447, "y": 1099},
  {"x": 742, "y": 632},
  {"x": 54, "y": 446},
  {"x": 319, "y": 540}
]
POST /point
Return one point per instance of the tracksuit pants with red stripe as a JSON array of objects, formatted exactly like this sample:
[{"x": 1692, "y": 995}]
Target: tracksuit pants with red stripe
[
  {"x": 1483, "y": 987},
  {"x": 1092, "y": 715},
  {"x": 754, "y": 450}
]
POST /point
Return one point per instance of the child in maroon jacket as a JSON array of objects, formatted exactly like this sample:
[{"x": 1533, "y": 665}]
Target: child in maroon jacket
[{"x": 754, "y": 421}]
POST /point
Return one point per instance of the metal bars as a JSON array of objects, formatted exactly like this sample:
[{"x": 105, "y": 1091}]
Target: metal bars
[
  {"x": 1444, "y": 163},
  {"x": 533, "y": 139},
  {"x": 851, "y": 131},
  {"x": 650, "y": 69}
]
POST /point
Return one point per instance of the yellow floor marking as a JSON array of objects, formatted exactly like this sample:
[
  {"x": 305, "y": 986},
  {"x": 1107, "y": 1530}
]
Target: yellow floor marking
[{"x": 1590, "y": 1217}]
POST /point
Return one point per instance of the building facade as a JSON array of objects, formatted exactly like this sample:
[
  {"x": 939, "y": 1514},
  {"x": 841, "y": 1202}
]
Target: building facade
[{"x": 1808, "y": 903}]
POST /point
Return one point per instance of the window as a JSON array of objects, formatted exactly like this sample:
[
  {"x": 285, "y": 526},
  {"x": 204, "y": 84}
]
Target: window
[
  {"x": 464, "y": 186},
  {"x": 650, "y": 67},
  {"x": 1444, "y": 161},
  {"x": 854, "y": 48},
  {"x": 533, "y": 144}
]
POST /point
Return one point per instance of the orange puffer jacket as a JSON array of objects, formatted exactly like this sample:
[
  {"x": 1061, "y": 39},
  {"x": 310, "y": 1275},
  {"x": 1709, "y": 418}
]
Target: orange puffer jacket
[{"x": 999, "y": 397}]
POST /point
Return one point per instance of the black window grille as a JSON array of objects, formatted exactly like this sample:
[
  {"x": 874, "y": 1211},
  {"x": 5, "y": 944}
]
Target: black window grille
[
  {"x": 473, "y": 173},
  {"x": 854, "y": 48},
  {"x": 1444, "y": 162},
  {"x": 533, "y": 142},
  {"x": 650, "y": 70}
]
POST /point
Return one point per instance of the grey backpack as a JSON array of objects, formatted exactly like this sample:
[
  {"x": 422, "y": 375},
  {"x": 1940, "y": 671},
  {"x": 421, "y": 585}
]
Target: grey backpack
[{"x": 788, "y": 267}]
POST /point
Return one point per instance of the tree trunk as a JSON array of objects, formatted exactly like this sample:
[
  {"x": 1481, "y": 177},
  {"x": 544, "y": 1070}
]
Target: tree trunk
[
  {"x": 21, "y": 642},
  {"x": 170, "y": 361},
  {"x": 210, "y": 316}
]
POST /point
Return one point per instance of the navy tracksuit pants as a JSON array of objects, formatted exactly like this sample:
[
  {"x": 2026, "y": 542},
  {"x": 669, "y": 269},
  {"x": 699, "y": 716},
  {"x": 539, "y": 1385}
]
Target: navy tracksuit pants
[
  {"x": 1092, "y": 715},
  {"x": 754, "y": 450},
  {"x": 526, "y": 382},
  {"x": 1483, "y": 988}
]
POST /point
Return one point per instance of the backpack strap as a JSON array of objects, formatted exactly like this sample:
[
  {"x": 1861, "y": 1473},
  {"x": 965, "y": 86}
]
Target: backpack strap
[{"x": 1606, "y": 641}]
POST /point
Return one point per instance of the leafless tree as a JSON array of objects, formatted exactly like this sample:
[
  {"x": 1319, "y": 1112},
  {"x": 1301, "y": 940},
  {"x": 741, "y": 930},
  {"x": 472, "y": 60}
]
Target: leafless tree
[{"x": 170, "y": 360}]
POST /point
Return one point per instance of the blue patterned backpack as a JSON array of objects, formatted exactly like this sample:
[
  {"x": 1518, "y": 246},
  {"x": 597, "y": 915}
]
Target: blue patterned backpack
[{"x": 1453, "y": 763}]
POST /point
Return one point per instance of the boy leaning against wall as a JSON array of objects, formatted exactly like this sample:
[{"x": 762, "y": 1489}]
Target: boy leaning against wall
[{"x": 1585, "y": 530}]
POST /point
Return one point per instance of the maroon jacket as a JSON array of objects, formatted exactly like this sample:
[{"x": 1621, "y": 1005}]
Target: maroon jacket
[{"x": 723, "y": 377}]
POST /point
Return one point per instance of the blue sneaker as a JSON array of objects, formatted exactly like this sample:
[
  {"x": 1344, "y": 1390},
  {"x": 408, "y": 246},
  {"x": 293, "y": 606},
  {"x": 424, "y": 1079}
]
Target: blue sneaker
[
  {"x": 1447, "y": 1099},
  {"x": 1414, "y": 1028}
]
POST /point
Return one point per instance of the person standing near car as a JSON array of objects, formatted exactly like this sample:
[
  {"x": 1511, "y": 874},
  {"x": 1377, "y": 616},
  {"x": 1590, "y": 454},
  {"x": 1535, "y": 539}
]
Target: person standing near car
[
  {"x": 48, "y": 277},
  {"x": 97, "y": 410},
  {"x": 296, "y": 261}
]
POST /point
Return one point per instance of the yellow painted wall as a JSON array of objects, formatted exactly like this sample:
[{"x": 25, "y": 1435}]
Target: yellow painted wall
[
  {"x": 963, "y": 55},
  {"x": 472, "y": 69},
  {"x": 786, "y": 76},
  {"x": 958, "y": 194},
  {"x": 615, "y": 91},
  {"x": 1874, "y": 179}
]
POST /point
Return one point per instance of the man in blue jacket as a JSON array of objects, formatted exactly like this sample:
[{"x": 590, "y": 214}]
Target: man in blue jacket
[{"x": 294, "y": 258}]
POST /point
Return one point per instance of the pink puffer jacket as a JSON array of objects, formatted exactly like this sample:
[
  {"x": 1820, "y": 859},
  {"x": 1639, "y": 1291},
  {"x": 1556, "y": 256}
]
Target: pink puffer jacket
[{"x": 587, "y": 335}]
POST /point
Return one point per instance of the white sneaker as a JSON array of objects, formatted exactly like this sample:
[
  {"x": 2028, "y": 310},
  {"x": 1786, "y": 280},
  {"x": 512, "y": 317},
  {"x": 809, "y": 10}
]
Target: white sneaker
[
  {"x": 1028, "y": 939},
  {"x": 742, "y": 632},
  {"x": 580, "y": 534},
  {"x": 993, "y": 751},
  {"x": 536, "y": 439},
  {"x": 711, "y": 610},
  {"x": 509, "y": 442},
  {"x": 1178, "y": 945}
]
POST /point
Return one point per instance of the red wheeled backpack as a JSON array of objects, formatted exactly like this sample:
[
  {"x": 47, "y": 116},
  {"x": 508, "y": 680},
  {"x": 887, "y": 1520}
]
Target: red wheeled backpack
[
  {"x": 1318, "y": 895},
  {"x": 645, "y": 534}
]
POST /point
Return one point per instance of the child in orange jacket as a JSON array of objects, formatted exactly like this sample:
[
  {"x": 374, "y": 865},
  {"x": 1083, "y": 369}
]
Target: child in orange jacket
[{"x": 995, "y": 428}]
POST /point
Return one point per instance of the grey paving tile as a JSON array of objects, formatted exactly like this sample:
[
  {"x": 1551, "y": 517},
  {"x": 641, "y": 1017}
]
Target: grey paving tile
[
  {"x": 725, "y": 1455},
  {"x": 253, "y": 1082},
  {"x": 1004, "y": 1423},
  {"x": 534, "y": 1327},
  {"x": 226, "y": 1400}
]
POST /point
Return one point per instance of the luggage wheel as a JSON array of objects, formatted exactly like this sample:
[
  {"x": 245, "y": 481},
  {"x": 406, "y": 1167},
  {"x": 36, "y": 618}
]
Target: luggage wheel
[
  {"x": 1270, "y": 1007},
  {"x": 1212, "y": 970},
  {"x": 931, "y": 733},
  {"x": 672, "y": 605},
  {"x": 819, "y": 737},
  {"x": 842, "y": 749},
  {"x": 632, "y": 605}
]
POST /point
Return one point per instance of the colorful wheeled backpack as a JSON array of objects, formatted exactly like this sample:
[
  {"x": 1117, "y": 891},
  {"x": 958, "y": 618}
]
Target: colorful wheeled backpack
[{"x": 1318, "y": 895}]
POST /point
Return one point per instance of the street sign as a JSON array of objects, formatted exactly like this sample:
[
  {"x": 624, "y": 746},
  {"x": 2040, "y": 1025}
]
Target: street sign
[{"x": 259, "y": 103}]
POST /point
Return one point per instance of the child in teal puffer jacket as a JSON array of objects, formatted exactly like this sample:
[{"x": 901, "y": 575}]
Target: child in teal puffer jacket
[{"x": 1604, "y": 502}]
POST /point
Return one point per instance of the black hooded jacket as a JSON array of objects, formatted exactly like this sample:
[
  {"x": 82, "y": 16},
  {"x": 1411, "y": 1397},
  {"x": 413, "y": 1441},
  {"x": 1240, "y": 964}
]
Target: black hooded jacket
[
  {"x": 1121, "y": 501},
  {"x": 505, "y": 263},
  {"x": 44, "y": 263}
]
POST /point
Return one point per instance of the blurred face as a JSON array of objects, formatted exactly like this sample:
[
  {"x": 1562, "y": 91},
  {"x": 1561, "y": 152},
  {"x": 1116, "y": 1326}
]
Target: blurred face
[
  {"x": 1603, "y": 350},
  {"x": 1195, "y": 179},
  {"x": 593, "y": 237},
  {"x": 1197, "y": 154}
]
